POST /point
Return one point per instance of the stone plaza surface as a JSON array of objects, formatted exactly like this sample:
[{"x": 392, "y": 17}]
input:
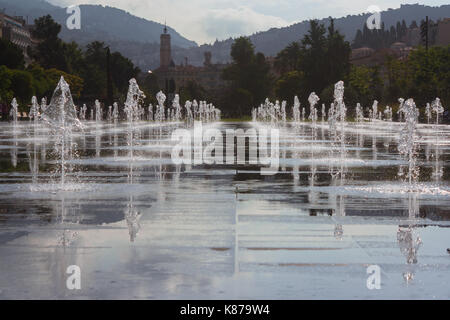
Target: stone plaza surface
[{"x": 141, "y": 227}]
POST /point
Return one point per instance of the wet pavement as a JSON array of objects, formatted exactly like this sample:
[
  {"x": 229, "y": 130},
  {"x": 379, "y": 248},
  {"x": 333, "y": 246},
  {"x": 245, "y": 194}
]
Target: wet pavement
[{"x": 140, "y": 227}]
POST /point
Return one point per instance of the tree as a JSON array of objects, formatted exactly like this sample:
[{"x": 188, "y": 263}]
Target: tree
[
  {"x": 109, "y": 84},
  {"x": 149, "y": 85},
  {"x": 366, "y": 84},
  {"x": 73, "y": 58},
  {"x": 242, "y": 51},
  {"x": 6, "y": 94},
  {"x": 50, "y": 51},
  {"x": 192, "y": 91},
  {"x": 11, "y": 55},
  {"x": 398, "y": 30},
  {"x": 262, "y": 83},
  {"x": 75, "y": 82},
  {"x": 22, "y": 85},
  {"x": 122, "y": 70},
  {"x": 287, "y": 60},
  {"x": 404, "y": 29},
  {"x": 240, "y": 100},
  {"x": 429, "y": 74},
  {"x": 45, "y": 28},
  {"x": 323, "y": 53},
  {"x": 379, "y": 38},
  {"x": 358, "y": 42},
  {"x": 41, "y": 83},
  {"x": 249, "y": 76},
  {"x": 424, "y": 32},
  {"x": 313, "y": 56},
  {"x": 53, "y": 58},
  {"x": 423, "y": 76},
  {"x": 397, "y": 78},
  {"x": 96, "y": 54},
  {"x": 338, "y": 55},
  {"x": 392, "y": 35},
  {"x": 95, "y": 82},
  {"x": 289, "y": 85},
  {"x": 95, "y": 71}
]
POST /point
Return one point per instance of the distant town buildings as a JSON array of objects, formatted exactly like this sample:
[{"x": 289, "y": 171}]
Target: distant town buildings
[
  {"x": 412, "y": 37},
  {"x": 439, "y": 36},
  {"x": 172, "y": 78},
  {"x": 165, "y": 53},
  {"x": 443, "y": 32},
  {"x": 15, "y": 29},
  {"x": 369, "y": 57}
]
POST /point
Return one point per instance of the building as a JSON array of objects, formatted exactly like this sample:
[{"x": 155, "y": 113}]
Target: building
[
  {"x": 359, "y": 55},
  {"x": 165, "y": 53},
  {"x": 371, "y": 58},
  {"x": 172, "y": 78},
  {"x": 412, "y": 37},
  {"x": 401, "y": 50},
  {"x": 443, "y": 32},
  {"x": 15, "y": 30}
]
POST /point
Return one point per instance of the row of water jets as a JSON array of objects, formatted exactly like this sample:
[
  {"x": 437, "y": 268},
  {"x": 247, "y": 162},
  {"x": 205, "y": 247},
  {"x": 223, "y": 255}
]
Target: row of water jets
[
  {"x": 134, "y": 109},
  {"x": 408, "y": 138},
  {"x": 275, "y": 113},
  {"x": 408, "y": 114},
  {"x": 63, "y": 117}
]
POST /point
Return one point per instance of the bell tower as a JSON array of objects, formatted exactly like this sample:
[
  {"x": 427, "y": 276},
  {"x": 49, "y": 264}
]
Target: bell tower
[{"x": 165, "y": 50}]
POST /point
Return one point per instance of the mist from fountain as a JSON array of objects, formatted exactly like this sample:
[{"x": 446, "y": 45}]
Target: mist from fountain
[
  {"x": 324, "y": 113},
  {"x": 33, "y": 115},
  {"x": 436, "y": 107},
  {"x": 401, "y": 101},
  {"x": 98, "y": 112},
  {"x": 374, "y": 110},
  {"x": 359, "y": 113},
  {"x": 109, "y": 114},
  {"x": 189, "y": 114},
  {"x": 160, "y": 113},
  {"x": 269, "y": 111},
  {"x": 115, "y": 112},
  {"x": 61, "y": 116},
  {"x": 13, "y": 111},
  {"x": 313, "y": 99},
  {"x": 283, "y": 112},
  {"x": 408, "y": 139},
  {"x": 296, "y": 110},
  {"x": 388, "y": 113},
  {"x": 428, "y": 113},
  {"x": 83, "y": 110},
  {"x": 135, "y": 98},
  {"x": 150, "y": 112},
  {"x": 43, "y": 104}
]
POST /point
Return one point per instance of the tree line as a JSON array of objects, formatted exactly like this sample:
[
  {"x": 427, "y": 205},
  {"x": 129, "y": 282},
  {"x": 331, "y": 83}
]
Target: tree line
[
  {"x": 312, "y": 64},
  {"x": 84, "y": 68},
  {"x": 320, "y": 59},
  {"x": 384, "y": 38}
]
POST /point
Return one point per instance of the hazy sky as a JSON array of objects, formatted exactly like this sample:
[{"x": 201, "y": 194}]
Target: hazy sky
[{"x": 205, "y": 20}]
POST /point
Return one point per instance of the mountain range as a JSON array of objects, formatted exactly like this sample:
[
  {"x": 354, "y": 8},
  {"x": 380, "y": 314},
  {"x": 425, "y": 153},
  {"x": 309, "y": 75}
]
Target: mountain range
[
  {"x": 138, "y": 39},
  {"x": 272, "y": 41},
  {"x": 103, "y": 23}
]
